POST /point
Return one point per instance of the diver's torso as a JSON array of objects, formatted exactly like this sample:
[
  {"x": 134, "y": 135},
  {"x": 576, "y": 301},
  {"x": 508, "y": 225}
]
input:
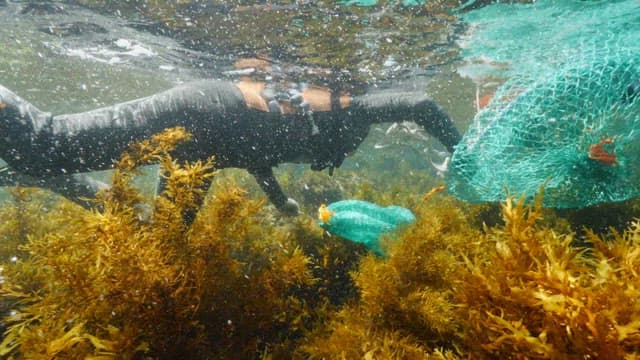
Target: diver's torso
[
  {"x": 236, "y": 135},
  {"x": 254, "y": 140}
]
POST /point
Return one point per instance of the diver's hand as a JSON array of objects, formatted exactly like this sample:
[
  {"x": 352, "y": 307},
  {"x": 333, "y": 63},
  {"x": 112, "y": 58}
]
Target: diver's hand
[
  {"x": 290, "y": 208},
  {"x": 268, "y": 183}
]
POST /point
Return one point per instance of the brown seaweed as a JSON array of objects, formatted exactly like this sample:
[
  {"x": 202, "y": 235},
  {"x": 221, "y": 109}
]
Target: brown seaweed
[
  {"x": 110, "y": 284},
  {"x": 241, "y": 282}
]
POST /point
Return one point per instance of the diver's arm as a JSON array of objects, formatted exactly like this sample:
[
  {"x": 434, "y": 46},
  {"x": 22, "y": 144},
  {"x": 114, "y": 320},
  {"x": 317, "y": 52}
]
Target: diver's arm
[
  {"x": 269, "y": 184},
  {"x": 388, "y": 105}
]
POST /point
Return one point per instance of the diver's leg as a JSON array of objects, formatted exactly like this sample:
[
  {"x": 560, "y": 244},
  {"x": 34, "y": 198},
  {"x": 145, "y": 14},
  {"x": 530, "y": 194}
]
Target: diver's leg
[
  {"x": 92, "y": 140},
  {"x": 79, "y": 188},
  {"x": 196, "y": 102},
  {"x": 40, "y": 145},
  {"x": 20, "y": 121}
]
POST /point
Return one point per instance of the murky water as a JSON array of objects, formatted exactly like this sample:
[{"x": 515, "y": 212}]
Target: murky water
[
  {"x": 245, "y": 281},
  {"x": 103, "y": 63}
]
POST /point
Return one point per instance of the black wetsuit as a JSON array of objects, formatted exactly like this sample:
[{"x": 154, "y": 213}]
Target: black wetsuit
[{"x": 49, "y": 148}]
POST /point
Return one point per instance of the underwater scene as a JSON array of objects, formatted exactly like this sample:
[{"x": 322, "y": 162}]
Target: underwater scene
[{"x": 294, "y": 179}]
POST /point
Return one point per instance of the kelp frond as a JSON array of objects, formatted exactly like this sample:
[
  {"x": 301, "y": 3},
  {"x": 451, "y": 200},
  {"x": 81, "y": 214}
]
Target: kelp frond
[{"x": 530, "y": 292}]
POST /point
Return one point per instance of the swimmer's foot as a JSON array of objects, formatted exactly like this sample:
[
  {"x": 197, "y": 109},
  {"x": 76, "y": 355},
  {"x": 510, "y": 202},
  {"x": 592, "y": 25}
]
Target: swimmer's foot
[
  {"x": 21, "y": 124},
  {"x": 18, "y": 114}
]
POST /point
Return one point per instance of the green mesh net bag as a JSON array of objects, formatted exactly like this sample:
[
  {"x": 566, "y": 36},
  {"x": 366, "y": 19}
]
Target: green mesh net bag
[{"x": 568, "y": 117}]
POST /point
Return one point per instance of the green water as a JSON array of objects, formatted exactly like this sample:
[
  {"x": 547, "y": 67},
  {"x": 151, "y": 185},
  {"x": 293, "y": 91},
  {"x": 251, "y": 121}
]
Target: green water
[
  {"x": 430, "y": 47},
  {"x": 63, "y": 83}
]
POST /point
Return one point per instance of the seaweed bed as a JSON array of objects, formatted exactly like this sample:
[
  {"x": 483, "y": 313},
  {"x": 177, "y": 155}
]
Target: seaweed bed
[{"x": 240, "y": 282}]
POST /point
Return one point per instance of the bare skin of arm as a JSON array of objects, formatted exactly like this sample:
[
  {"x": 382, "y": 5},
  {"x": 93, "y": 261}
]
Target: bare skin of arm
[{"x": 318, "y": 98}]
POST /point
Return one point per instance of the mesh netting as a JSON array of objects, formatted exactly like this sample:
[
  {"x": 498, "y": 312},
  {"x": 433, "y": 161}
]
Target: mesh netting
[{"x": 569, "y": 121}]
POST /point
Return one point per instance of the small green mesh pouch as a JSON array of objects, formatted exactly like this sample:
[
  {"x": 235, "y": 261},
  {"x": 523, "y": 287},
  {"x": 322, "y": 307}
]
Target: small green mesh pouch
[{"x": 364, "y": 222}]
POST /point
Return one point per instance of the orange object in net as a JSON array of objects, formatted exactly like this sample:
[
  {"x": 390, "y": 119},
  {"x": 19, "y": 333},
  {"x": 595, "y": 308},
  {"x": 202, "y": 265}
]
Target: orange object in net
[{"x": 599, "y": 153}]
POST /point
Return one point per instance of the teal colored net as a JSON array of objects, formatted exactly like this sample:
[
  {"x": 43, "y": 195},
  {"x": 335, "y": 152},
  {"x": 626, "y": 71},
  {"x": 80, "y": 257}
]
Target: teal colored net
[{"x": 567, "y": 117}]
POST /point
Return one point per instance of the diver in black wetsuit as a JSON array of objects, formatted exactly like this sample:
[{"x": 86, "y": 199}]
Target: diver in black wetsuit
[{"x": 236, "y": 122}]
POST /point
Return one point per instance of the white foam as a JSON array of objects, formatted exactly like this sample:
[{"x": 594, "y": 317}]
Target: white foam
[{"x": 109, "y": 55}]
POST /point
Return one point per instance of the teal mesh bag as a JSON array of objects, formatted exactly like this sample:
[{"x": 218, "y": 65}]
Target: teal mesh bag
[
  {"x": 568, "y": 117},
  {"x": 362, "y": 221}
]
